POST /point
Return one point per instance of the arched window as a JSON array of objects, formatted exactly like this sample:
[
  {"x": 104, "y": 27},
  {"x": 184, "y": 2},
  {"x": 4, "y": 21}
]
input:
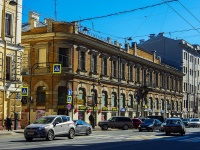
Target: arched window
[
  {"x": 172, "y": 105},
  {"x": 62, "y": 93},
  {"x": 176, "y": 105},
  {"x": 156, "y": 103},
  {"x": 104, "y": 99},
  {"x": 41, "y": 96},
  {"x": 114, "y": 100},
  {"x": 94, "y": 93},
  {"x": 82, "y": 95},
  {"x": 150, "y": 103},
  {"x": 122, "y": 100},
  {"x": 130, "y": 100}
]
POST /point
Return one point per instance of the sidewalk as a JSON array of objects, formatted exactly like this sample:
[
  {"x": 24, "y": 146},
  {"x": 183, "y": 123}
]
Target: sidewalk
[{"x": 13, "y": 132}]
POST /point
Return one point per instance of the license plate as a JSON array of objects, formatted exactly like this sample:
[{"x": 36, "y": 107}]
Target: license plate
[{"x": 30, "y": 133}]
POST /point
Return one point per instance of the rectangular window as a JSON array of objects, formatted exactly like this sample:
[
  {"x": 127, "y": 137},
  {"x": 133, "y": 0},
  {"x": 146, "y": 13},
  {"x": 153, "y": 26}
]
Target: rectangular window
[
  {"x": 114, "y": 69},
  {"x": 8, "y": 68},
  {"x": 130, "y": 73},
  {"x": 82, "y": 60},
  {"x": 94, "y": 64},
  {"x": 123, "y": 72},
  {"x": 137, "y": 74},
  {"x": 8, "y": 24},
  {"x": 156, "y": 80},
  {"x": 64, "y": 56},
  {"x": 105, "y": 66},
  {"x": 42, "y": 57}
]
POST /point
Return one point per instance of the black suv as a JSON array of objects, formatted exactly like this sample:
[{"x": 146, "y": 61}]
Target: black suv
[{"x": 116, "y": 122}]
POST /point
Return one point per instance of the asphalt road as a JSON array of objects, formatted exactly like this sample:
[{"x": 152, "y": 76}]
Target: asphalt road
[{"x": 108, "y": 140}]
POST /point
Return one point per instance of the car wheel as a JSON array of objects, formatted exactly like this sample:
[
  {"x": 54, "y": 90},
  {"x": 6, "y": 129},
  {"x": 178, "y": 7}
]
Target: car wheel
[
  {"x": 71, "y": 134},
  {"x": 104, "y": 127},
  {"x": 152, "y": 129},
  {"x": 28, "y": 139},
  {"x": 140, "y": 130},
  {"x": 125, "y": 127},
  {"x": 50, "y": 135},
  {"x": 182, "y": 133},
  {"x": 167, "y": 133},
  {"x": 88, "y": 131}
]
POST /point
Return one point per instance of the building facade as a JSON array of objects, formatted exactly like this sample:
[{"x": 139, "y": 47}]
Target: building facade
[
  {"x": 185, "y": 57},
  {"x": 96, "y": 76},
  {"x": 10, "y": 59}
]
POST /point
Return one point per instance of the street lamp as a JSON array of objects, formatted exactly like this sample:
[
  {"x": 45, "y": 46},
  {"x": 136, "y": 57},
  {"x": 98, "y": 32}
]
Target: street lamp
[{"x": 13, "y": 3}]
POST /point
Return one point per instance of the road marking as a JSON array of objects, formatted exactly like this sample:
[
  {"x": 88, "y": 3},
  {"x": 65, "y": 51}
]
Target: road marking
[{"x": 176, "y": 138}]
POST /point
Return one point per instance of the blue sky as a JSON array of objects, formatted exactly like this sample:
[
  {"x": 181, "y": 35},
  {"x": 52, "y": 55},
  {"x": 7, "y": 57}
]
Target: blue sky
[{"x": 178, "y": 20}]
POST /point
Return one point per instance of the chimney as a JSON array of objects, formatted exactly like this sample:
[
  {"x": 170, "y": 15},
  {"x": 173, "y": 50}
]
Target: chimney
[
  {"x": 49, "y": 23},
  {"x": 151, "y": 36},
  {"x": 33, "y": 19},
  {"x": 116, "y": 43},
  {"x": 161, "y": 34},
  {"x": 154, "y": 55},
  {"x": 109, "y": 41},
  {"x": 134, "y": 45}
]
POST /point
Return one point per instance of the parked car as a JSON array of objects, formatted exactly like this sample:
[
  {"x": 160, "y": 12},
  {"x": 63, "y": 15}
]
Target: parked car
[
  {"x": 174, "y": 125},
  {"x": 160, "y": 118},
  {"x": 186, "y": 121},
  {"x": 194, "y": 122},
  {"x": 116, "y": 122},
  {"x": 49, "y": 127},
  {"x": 162, "y": 126},
  {"x": 82, "y": 127},
  {"x": 150, "y": 125},
  {"x": 142, "y": 119},
  {"x": 136, "y": 122}
]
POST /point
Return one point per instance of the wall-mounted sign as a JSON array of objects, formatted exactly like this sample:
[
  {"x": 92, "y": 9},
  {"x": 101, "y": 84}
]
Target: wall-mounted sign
[
  {"x": 89, "y": 101},
  {"x": 80, "y": 101},
  {"x": 56, "y": 68},
  {"x": 123, "y": 109},
  {"x": 114, "y": 109},
  {"x": 104, "y": 108},
  {"x": 82, "y": 107},
  {"x": 24, "y": 91}
]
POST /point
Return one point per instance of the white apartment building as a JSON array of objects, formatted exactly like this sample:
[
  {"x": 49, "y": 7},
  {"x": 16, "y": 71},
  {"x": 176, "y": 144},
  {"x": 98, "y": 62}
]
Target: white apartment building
[{"x": 183, "y": 56}]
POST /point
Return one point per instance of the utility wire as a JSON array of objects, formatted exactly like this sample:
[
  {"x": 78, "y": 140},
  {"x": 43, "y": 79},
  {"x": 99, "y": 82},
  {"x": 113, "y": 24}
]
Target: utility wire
[
  {"x": 182, "y": 17},
  {"x": 127, "y": 11},
  {"x": 189, "y": 11}
]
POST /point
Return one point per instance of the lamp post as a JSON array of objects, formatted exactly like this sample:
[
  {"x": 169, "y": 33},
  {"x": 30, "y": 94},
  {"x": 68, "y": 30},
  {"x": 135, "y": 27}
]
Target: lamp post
[
  {"x": 93, "y": 103},
  {"x": 13, "y": 3}
]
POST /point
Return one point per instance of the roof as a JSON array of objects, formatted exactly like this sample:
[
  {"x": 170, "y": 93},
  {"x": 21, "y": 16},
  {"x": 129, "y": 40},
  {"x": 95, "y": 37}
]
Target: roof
[{"x": 26, "y": 26}]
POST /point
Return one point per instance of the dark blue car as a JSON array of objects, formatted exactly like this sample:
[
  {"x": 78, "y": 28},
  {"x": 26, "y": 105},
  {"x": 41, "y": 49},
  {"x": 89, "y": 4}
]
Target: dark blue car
[{"x": 150, "y": 125}]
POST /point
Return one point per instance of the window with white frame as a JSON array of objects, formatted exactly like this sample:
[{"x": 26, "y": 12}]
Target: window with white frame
[
  {"x": 8, "y": 67},
  {"x": 8, "y": 24}
]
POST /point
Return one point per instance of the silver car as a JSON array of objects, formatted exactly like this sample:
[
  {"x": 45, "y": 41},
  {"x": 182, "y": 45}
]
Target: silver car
[
  {"x": 49, "y": 127},
  {"x": 83, "y": 127},
  {"x": 194, "y": 122}
]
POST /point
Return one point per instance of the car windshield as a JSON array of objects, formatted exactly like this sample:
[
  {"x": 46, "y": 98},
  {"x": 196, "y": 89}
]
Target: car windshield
[
  {"x": 44, "y": 120},
  {"x": 173, "y": 122},
  {"x": 194, "y": 120},
  {"x": 148, "y": 120},
  {"x": 112, "y": 119}
]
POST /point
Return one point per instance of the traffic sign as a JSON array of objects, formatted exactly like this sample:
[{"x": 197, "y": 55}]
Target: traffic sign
[
  {"x": 56, "y": 68},
  {"x": 69, "y": 92},
  {"x": 69, "y": 99},
  {"x": 24, "y": 91}
]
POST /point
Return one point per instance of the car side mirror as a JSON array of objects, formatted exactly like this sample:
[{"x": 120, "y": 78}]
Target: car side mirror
[{"x": 56, "y": 123}]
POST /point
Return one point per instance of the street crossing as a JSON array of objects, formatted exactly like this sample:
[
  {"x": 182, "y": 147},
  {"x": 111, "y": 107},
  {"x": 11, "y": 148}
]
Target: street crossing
[{"x": 178, "y": 138}]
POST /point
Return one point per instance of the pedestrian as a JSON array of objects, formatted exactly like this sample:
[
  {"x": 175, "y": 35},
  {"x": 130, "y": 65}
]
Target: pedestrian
[
  {"x": 91, "y": 119},
  {"x": 8, "y": 123}
]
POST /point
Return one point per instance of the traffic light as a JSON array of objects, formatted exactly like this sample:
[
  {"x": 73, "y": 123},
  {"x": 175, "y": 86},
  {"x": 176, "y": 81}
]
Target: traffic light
[{"x": 24, "y": 100}]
